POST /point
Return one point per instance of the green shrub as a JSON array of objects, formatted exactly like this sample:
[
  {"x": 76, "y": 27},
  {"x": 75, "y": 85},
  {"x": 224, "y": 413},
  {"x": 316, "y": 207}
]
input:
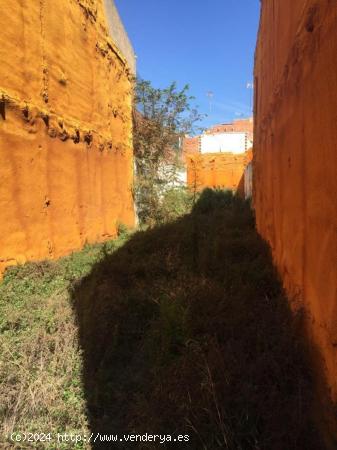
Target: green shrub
[{"x": 175, "y": 203}]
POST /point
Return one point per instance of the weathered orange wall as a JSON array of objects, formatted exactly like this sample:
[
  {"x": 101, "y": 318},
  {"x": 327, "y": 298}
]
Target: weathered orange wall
[
  {"x": 216, "y": 170},
  {"x": 65, "y": 129},
  {"x": 295, "y": 154},
  {"x": 191, "y": 146}
]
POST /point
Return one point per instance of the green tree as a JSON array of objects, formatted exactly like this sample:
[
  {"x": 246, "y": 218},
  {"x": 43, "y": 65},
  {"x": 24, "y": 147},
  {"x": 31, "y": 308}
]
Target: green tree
[{"x": 162, "y": 117}]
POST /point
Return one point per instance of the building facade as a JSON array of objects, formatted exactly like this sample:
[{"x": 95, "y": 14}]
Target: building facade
[
  {"x": 218, "y": 157},
  {"x": 224, "y": 142}
]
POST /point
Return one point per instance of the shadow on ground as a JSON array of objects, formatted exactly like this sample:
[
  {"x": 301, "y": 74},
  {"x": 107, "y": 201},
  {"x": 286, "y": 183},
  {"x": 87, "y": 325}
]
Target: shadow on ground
[{"x": 185, "y": 330}]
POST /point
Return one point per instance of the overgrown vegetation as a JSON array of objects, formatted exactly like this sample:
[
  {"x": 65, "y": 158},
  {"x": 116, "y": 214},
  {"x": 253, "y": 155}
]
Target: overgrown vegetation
[
  {"x": 180, "y": 329},
  {"x": 174, "y": 203},
  {"x": 41, "y": 389},
  {"x": 195, "y": 337},
  {"x": 162, "y": 117}
]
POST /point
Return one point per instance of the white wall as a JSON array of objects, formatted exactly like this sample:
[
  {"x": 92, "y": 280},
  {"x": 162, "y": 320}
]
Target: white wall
[
  {"x": 182, "y": 177},
  {"x": 249, "y": 181},
  {"x": 173, "y": 176},
  {"x": 224, "y": 142}
]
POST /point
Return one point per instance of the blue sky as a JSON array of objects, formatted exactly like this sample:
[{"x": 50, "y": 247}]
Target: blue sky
[{"x": 208, "y": 45}]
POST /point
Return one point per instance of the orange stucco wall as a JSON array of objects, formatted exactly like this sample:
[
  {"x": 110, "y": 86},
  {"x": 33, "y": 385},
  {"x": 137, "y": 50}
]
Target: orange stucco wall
[
  {"x": 295, "y": 155},
  {"x": 191, "y": 146},
  {"x": 65, "y": 129},
  {"x": 217, "y": 170}
]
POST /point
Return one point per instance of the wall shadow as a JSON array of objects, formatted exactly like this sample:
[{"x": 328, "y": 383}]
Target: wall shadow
[
  {"x": 241, "y": 186},
  {"x": 185, "y": 330}
]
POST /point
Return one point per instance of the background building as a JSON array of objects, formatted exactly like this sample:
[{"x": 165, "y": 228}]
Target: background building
[
  {"x": 233, "y": 142},
  {"x": 218, "y": 157},
  {"x": 235, "y": 137}
]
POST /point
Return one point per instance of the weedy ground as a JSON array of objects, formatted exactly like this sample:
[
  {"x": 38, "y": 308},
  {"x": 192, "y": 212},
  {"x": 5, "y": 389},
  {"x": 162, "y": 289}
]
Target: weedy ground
[
  {"x": 180, "y": 329},
  {"x": 41, "y": 388}
]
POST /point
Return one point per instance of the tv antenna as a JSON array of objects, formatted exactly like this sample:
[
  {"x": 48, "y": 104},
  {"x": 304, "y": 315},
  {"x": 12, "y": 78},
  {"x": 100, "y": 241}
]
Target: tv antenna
[{"x": 210, "y": 96}]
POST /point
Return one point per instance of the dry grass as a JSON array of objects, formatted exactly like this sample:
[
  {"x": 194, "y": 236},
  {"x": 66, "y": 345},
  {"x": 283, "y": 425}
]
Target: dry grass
[
  {"x": 41, "y": 366},
  {"x": 41, "y": 389}
]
